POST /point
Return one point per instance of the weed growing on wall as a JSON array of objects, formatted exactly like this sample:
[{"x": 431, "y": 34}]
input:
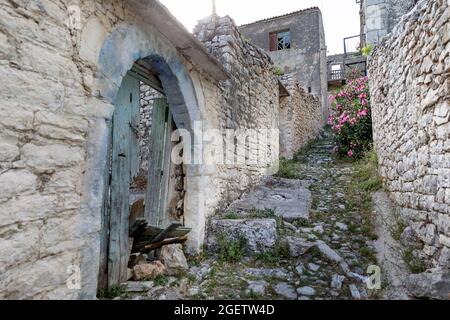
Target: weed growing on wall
[{"x": 350, "y": 118}]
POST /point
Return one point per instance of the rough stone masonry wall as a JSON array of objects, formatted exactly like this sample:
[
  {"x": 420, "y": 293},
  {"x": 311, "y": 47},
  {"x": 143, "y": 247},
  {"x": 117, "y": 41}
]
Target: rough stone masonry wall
[
  {"x": 148, "y": 96},
  {"x": 58, "y": 85},
  {"x": 46, "y": 115},
  {"x": 55, "y": 101},
  {"x": 249, "y": 100},
  {"x": 300, "y": 117},
  {"x": 410, "y": 86}
]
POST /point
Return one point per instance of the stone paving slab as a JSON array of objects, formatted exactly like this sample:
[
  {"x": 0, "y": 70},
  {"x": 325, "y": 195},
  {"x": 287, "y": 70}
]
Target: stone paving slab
[{"x": 291, "y": 199}]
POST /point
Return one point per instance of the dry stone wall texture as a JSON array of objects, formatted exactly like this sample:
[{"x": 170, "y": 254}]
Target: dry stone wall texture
[
  {"x": 300, "y": 117},
  {"x": 249, "y": 100},
  {"x": 410, "y": 86},
  {"x": 56, "y": 99}
]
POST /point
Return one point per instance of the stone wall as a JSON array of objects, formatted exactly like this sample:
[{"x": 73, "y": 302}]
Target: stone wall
[
  {"x": 249, "y": 100},
  {"x": 409, "y": 81},
  {"x": 148, "y": 95},
  {"x": 58, "y": 87},
  {"x": 300, "y": 117},
  {"x": 60, "y": 78},
  {"x": 49, "y": 109}
]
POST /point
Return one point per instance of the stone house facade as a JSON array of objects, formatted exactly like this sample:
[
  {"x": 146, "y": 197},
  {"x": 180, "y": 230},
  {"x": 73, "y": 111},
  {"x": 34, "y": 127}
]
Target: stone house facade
[
  {"x": 296, "y": 44},
  {"x": 409, "y": 85},
  {"x": 64, "y": 66}
]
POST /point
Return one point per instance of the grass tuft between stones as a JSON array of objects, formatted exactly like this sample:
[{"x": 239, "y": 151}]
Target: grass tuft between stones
[
  {"x": 231, "y": 250},
  {"x": 111, "y": 292}
]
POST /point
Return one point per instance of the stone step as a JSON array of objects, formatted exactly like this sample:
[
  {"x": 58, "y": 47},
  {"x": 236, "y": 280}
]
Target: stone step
[{"x": 260, "y": 235}]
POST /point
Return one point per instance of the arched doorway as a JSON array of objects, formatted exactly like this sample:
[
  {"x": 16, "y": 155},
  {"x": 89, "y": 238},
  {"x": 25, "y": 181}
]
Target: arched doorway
[
  {"x": 129, "y": 53},
  {"x": 144, "y": 191}
]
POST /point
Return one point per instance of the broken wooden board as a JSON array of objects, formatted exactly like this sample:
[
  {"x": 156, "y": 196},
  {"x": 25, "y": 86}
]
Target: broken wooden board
[
  {"x": 157, "y": 245},
  {"x": 146, "y": 235}
]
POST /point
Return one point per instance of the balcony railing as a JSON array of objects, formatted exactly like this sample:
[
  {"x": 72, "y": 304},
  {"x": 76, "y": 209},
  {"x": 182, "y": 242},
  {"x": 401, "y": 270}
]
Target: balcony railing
[{"x": 335, "y": 75}]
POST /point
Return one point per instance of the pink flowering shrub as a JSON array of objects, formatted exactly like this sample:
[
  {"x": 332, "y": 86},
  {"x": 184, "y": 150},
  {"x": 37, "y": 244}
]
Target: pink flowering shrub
[{"x": 350, "y": 118}]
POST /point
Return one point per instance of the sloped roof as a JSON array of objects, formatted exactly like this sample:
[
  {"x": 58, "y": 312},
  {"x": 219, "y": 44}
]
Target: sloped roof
[{"x": 282, "y": 16}]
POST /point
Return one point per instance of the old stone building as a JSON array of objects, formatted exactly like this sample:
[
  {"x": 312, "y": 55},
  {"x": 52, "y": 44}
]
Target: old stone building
[
  {"x": 409, "y": 82},
  {"x": 96, "y": 97},
  {"x": 296, "y": 44},
  {"x": 379, "y": 17}
]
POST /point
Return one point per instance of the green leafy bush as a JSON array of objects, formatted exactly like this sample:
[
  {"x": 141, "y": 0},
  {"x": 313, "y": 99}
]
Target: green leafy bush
[{"x": 367, "y": 50}]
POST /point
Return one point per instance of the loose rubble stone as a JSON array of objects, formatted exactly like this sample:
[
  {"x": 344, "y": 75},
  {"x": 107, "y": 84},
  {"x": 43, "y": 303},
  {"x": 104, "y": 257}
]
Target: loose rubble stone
[
  {"x": 173, "y": 258},
  {"x": 341, "y": 226},
  {"x": 260, "y": 234},
  {"x": 139, "y": 286},
  {"x": 336, "y": 281},
  {"x": 433, "y": 284},
  {"x": 409, "y": 238},
  {"x": 306, "y": 291},
  {"x": 300, "y": 268},
  {"x": 298, "y": 246},
  {"x": 285, "y": 290},
  {"x": 149, "y": 270},
  {"x": 318, "y": 229},
  {"x": 257, "y": 287},
  {"x": 355, "y": 292},
  {"x": 313, "y": 267},
  {"x": 329, "y": 253},
  {"x": 268, "y": 273},
  {"x": 193, "y": 291}
]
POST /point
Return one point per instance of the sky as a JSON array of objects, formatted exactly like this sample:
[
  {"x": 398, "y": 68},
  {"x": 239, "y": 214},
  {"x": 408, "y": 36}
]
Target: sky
[{"x": 341, "y": 17}]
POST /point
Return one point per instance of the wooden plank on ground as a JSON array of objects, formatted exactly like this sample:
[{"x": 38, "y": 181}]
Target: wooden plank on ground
[
  {"x": 163, "y": 234},
  {"x": 157, "y": 245}
]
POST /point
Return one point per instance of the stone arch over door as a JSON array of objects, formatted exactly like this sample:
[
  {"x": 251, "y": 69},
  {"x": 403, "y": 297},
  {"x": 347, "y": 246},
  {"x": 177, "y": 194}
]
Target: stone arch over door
[{"x": 123, "y": 46}]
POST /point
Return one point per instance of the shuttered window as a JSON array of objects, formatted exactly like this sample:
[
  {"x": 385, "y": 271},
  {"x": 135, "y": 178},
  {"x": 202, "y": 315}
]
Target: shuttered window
[
  {"x": 280, "y": 40},
  {"x": 273, "y": 42}
]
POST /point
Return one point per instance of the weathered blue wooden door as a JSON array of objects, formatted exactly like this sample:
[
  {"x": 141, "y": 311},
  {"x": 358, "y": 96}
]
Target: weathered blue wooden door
[
  {"x": 124, "y": 166},
  {"x": 158, "y": 164}
]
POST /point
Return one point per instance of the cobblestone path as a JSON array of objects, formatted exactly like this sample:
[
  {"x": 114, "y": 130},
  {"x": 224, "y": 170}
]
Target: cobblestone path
[{"x": 321, "y": 255}]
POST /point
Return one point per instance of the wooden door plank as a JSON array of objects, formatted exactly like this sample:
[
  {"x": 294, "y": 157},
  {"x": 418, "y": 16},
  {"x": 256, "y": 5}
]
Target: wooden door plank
[
  {"x": 120, "y": 182},
  {"x": 153, "y": 208},
  {"x": 104, "y": 231},
  {"x": 165, "y": 232},
  {"x": 134, "y": 87},
  {"x": 167, "y": 168}
]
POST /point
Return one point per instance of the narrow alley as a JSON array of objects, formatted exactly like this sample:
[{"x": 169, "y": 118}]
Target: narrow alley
[{"x": 321, "y": 255}]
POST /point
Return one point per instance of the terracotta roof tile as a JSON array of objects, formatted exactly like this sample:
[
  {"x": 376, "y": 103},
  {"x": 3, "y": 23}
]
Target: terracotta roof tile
[{"x": 281, "y": 16}]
